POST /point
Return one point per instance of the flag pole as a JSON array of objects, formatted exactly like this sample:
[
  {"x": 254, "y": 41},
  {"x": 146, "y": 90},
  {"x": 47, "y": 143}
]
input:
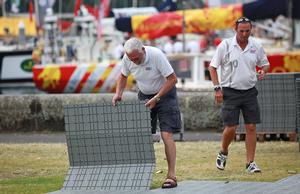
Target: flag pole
[
  {"x": 183, "y": 26},
  {"x": 37, "y": 14},
  {"x": 3, "y": 9},
  {"x": 291, "y": 24}
]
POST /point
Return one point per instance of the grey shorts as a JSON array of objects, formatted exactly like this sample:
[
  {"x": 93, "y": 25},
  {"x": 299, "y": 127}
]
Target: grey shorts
[
  {"x": 235, "y": 101},
  {"x": 166, "y": 111}
]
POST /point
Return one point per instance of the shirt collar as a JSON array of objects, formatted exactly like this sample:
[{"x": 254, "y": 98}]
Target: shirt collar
[
  {"x": 146, "y": 55},
  {"x": 250, "y": 43},
  {"x": 234, "y": 42}
]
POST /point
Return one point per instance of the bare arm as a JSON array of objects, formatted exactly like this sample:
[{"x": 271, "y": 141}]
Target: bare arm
[
  {"x": 263, "y": 71},
  {"x": 121, "y": 84},
  {"x": 214, "y": 77},
  {"x": 169, "y": 84}
]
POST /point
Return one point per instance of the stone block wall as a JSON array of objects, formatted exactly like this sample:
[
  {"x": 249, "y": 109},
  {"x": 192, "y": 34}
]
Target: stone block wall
[{"x": 44, "y": 112}]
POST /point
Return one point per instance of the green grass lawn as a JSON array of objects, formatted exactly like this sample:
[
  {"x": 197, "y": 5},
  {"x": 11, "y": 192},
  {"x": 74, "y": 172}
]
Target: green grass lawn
[{"x": 41, "y": 168}]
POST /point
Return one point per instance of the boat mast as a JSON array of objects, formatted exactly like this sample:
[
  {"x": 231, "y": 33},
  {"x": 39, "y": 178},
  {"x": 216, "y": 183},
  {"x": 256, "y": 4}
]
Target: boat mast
[
  {"x": 3, "y": 9},
  {"x": 183, "y": 26},
  {"x": 37, "y": 14},
  {"x": 134, "y": 3},
  {"x": 60, "y": 9},
  {"x": 291, "y": 23}
]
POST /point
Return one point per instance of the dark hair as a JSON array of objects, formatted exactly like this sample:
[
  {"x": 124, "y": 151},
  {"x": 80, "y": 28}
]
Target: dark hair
[{"x": 242, "y": 20}]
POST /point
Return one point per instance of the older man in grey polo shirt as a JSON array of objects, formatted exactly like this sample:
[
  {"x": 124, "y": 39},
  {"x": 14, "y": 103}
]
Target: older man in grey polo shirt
[
  {"x": 237, "y": 58},
  {"x": 156, "y": 81}
]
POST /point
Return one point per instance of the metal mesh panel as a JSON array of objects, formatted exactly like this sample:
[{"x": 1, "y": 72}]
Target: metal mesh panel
[
  {"x": 298, "y": 108},
  {"x": 110, "y": 148},
  {"x": 277, "y": 100}
]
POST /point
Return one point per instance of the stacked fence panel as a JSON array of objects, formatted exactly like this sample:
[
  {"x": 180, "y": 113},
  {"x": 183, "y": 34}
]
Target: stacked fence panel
[
  {"x": 298, "y": 108},
  {"x": 110, "y": 148},
  {"x": 277, "y": 99}
]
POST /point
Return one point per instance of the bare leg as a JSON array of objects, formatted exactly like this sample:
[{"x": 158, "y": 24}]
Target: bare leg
[
  {"x": 170, "y": 151},
  {"x": 227, "y": 137},
  {"x": 250, "y": 142}
]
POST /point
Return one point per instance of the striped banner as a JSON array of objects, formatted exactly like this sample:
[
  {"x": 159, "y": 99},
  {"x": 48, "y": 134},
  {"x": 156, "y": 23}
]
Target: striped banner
[
  {"x": 84, "y": 78},
  {"x": 103, "y": 78}
]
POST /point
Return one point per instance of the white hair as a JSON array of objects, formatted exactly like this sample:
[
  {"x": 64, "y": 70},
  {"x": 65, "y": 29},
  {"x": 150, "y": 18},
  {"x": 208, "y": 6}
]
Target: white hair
[{"x": 133, "y": 44}]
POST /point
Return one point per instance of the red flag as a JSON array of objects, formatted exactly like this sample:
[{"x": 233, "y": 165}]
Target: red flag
[
  {"x": 105, "y": 7},
  {"x": 30, "y": 9},
  {"x": 77, "y": 7},
  {"x": 103, "y": 12},
  {"x": 92, "y": 10}
]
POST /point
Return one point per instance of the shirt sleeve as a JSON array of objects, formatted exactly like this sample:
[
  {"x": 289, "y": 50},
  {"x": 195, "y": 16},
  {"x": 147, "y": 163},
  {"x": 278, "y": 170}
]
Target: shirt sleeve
[
  {"x": 262, "y": 58},
  {"x": 125, "y": 66},
  {"x": 163, "y": 64},
  {"x": 217, "y": 58}
]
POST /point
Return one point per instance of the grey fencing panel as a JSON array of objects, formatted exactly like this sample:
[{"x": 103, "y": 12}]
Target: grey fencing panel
[
  {"x": 298, "y": 108},
  {"x": 110, "y": 148},
  {"x": 277, "y": 99}
]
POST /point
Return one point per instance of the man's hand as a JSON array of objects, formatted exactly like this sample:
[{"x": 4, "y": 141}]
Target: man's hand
[
  {"x": 115, "y": 99},
  {"x": 151, "y": 103},
  {"x": 219, "y": 96},
  {"x": 261, "y": 74}
]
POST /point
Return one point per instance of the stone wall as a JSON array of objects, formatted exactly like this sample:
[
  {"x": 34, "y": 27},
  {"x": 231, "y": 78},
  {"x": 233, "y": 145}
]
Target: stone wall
[
  {"x": 199, "y": 110},
  {"x": 45, "y": 112}
]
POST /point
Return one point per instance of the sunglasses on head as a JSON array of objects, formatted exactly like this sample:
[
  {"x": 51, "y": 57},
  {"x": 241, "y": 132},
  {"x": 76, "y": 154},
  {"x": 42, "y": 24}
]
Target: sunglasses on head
[{"x": 243, "y": 20}]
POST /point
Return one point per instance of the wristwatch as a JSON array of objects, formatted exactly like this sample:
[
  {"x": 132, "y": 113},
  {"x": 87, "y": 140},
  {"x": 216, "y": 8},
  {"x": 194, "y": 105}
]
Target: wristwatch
[
  {"x": 217, "y": 88},
  {"x": 157, "y": 98}
]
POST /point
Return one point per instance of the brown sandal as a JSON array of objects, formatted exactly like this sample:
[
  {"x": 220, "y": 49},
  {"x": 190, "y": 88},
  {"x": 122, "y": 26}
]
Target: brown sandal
[{"x": 170, "y": 182}]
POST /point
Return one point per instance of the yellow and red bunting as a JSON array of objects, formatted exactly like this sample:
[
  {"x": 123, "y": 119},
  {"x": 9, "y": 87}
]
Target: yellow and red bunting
[
  {"x": 196, "y": 21},
  {"x": 52, "y": 78},
  {"x": 284, "y": 62},
  {"x": 84, "y": 78},
  {"x": 153, "y": 26},
  {"x": 292, "y": 61},
  {"x": 88, "y": 78},
  {"x": 218, "y": 18},
  {"x": 103, "y": 78},
  {"x": 87, "y": 74}
]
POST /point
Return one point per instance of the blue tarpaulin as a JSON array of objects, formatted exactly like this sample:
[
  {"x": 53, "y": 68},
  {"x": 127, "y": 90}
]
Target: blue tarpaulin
[{"x": 123, "y": 24}]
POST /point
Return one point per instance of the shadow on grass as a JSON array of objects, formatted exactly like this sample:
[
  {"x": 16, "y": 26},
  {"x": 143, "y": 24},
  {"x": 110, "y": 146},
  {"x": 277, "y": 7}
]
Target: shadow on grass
[{"x": 32, "y": 185}]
